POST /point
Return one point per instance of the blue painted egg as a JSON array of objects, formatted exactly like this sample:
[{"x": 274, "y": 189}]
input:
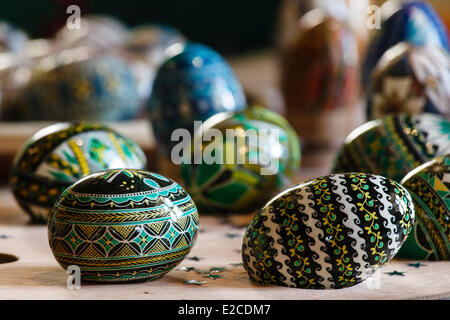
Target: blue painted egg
[
  {"x": 415, "y": 22},
  {"x": 100, "y": 89},
  {"x": 192, "y": 85},
  {"x": 410, "y": 79}
]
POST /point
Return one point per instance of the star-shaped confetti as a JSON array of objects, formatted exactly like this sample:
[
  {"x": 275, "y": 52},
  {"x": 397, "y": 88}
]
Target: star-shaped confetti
[
  {"x": 238, "y": 264},
  {"x": 194, "y": 258},
  {"x": 232, "y": 235},
  {"x": 198, "y": 283},
  {"x": 416, "y": 265},
  {"x": 213, "y": 276},
  {"x": 395, "y": 273},
  {"x": 187, "y": 269},
  {"x": 3, "y": 236}
]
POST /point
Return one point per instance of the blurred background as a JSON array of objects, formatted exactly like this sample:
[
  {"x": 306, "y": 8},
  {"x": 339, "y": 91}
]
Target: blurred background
[
  {"x": 231, "y": 27},
  {"x": 307, "y": 60}
]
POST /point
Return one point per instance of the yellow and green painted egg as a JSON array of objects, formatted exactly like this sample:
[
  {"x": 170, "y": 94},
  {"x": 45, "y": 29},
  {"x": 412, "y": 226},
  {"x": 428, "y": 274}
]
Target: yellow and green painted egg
[
  {"x": 59, "y": 155},
  {"x": 253, "y": 156}
]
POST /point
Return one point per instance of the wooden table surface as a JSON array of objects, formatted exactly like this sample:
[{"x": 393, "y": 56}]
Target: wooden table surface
[{"x": 36, "y": 274}]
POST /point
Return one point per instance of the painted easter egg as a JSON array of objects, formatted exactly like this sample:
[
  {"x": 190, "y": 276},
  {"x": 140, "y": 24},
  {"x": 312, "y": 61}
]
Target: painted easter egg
[
  {"x": 252, "y": 156},
  {"x": 394, "y": 145},
  {"x": 328, "y": 233},
  {"x": 415, "y": 22},
  {"x": 123, "y": 225},
  {"x": 429, "y": 186},
  {"x": 59, "y": 155},
  {"x": 100, "y": 89},
  {"x": 319, "y": 65},
  {"x": 193, "y": 85},
  {"x": 410, "y": 79}
]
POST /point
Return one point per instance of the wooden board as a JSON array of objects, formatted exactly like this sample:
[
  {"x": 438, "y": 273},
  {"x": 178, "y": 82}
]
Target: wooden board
[{"x": 36, "y": 275}]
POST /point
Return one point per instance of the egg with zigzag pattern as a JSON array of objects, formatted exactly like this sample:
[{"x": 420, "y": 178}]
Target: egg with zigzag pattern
[{"x": 328, "y": 233}]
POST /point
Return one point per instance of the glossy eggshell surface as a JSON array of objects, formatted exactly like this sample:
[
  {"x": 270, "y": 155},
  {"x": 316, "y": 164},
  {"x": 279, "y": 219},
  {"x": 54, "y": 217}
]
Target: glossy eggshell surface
[
  {"x": 429, "y": 186},
  {"x": 59, "y": 155},
  {"x": 410, "y": 79},
  {"x": 192, "y": 85},
  {"x": 100, "y": 89},
  {"x": 123, "y": 225},
  {"x": 319, "y": 66},
  {"x": 328, "y": 233},
  {"x": 415, "y": 22},
  {"x": 394, "y": 145},
  {"x": 242, "y": 181}
]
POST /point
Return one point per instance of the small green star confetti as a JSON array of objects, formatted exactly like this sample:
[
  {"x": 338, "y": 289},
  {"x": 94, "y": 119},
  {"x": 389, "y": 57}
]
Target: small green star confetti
[
  {"x": 194, "y": 258},
  {"x": 395, "y": 273},
  {"x": 187, "y": 269},
  {"x": 416, "y": 265},
  {"x": 232, "y": 235},
  {"x": 213, "y": 276},
  {"x": 238, "y": 264},
  {"x": 198, "y": 283}
]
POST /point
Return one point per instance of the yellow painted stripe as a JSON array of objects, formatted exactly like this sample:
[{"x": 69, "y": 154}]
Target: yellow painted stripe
[{"x": 80, "y": 157}]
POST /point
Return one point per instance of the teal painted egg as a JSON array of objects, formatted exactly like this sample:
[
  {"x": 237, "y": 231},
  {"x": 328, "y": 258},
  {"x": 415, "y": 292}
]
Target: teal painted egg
[
  {"x": 410, "y": 79},
  {"x": 394, "y": 145},
  {"x": 123, "y": 225},
  {"x": 59, "y": 155},
  {"x": 253, "y": 156},
  {"x": 191, "y": 86},
  {"x": 328, "y": 233},
  {"x": 429, "y": 186},
  {"x": 100, "y": 89}
]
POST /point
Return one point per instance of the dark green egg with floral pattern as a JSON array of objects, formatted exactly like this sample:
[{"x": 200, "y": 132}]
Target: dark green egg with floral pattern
[
  {"x": 123, "y": 225},
  {"x": 429, "y": 186},
  {"x": 328, "y": 233}
]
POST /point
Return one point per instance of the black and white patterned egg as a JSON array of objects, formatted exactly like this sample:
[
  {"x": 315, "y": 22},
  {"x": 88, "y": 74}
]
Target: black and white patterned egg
[{"x": 328, "y": 233}]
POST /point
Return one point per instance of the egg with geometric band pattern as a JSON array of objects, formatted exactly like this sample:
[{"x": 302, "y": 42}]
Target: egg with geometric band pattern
[
  {"x": 394, "y": 145},
  {"x": 123, "y": 225},
  {"x": 429, "y": 186},
  {"x": 328, "y": 233},
  {"x": 59, "y": 155}
]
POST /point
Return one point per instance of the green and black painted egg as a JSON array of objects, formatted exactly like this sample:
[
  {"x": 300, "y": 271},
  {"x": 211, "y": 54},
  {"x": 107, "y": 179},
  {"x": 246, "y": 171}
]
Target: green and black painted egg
[
  {"x": 123, "y": 225},
  {"x": 429, "y": 186},
  {"x": 394, "y": 145},
  {"x": 328, "y": 233}
]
